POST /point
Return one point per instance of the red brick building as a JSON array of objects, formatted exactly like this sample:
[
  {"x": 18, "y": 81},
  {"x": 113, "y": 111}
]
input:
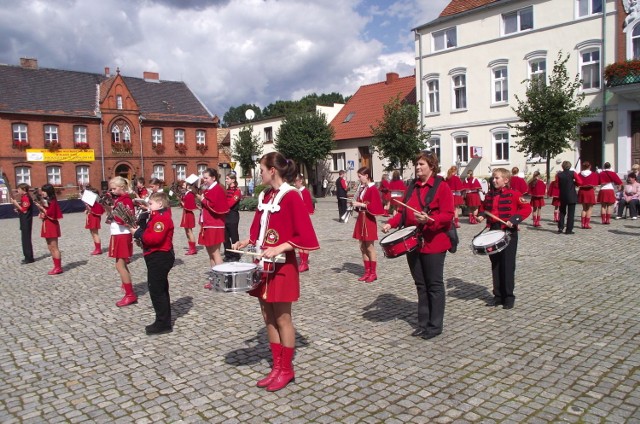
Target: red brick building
[{"x": 51, "y": 121}]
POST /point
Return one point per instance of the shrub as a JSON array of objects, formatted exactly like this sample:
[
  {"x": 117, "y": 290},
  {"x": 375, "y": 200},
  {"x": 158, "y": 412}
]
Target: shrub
[
  {"x": 248, "y": 204},
  {"x": 259, "y": 189}
]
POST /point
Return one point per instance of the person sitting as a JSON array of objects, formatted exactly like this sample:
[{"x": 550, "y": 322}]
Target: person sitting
[{"x": 630, "y": 196}]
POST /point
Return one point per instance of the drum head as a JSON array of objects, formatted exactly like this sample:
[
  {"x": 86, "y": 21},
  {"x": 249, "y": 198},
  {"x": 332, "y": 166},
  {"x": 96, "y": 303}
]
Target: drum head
[
  {"x": 399, "y": 235},
  {"x": 488, "y": 238},
  {"x": 234, "y": 267}
]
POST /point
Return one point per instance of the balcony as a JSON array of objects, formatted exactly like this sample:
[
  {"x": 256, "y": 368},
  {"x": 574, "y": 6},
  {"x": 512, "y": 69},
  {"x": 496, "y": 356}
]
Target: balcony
[{"x": 623, "y": 78}]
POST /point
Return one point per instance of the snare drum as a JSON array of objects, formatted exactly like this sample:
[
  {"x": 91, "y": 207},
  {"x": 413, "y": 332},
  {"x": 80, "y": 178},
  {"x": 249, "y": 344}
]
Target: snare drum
[
  {"x": 490, "y": 242},
  {"x": 400, "y": 242},
  {"x": 234, "y": 277}
]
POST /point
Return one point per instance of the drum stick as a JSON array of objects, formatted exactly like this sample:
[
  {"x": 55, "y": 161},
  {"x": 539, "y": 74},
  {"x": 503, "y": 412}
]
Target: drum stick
[
  {"x": 410, "y": 208},
  {"x": 276, "y": 258},
  {"x": 495, "y": 217}
]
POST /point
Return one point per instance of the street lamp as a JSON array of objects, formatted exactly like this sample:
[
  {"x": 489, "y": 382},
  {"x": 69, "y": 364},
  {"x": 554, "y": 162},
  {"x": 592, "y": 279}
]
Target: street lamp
[
  {"x": 372, "y": 149},
  {"x": 254, "y": 158}
]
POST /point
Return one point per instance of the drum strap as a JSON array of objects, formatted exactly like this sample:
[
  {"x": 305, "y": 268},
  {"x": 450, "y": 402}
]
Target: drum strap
[{"x": 424, "y": 206}]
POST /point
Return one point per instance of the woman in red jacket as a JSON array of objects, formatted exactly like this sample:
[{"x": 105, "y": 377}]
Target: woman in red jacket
[
  {"x": 554, "y": 192},
  {"x": 587, "y": 193},
  {"x": 50, "y": 214},
  {"x": 368, "y": 203},
  {"x": 427, "y": 262},
  {"x": 92, "y": 223},
  {"x": 308, "y": 203},
  {"x": 537, "y": 189},
  {"x": 472, "y": 197},
  {"x": 609, "y": 185},
  {"x": 455, "y": 184},
  {"x": 188, "y": 222}
]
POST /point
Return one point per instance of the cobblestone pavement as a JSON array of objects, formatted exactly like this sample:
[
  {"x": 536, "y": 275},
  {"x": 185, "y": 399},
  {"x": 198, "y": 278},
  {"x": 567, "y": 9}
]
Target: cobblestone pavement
[{"x": 568, "y": 351}]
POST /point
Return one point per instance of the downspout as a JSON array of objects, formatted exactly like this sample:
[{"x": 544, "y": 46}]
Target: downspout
[
  {"x": 101, "y": 147},
  {"x": 420, "y": 107},
  {"x": 604, "y": 86},
  {"x": 141, "y": 152}
]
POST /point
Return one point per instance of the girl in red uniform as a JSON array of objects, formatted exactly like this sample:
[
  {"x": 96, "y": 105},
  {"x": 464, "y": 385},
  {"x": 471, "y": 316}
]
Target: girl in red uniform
[
  {"x": 92, "y": 223},
  {"x": 212, "y": 217},
  {"x": 50, "y": 214},
  {"x": 369, "y": 204},
  {"x": 308, "y": 203},
  {"x": 385, "y": 192},
  {"x": 609, "y": 185},
  {"x": 121, "y": 241},
  {"x": 188, "y": 222},
  {"x": 280, "y": 225},
  {"x": 455, "y": 184},
  {"x": 554, "y": 192},
  {"x": 472, "y": 197},
  {"x": 537, "y": 189},
  {"x": 397, "y": 188},
  {"x": 141, "y": 190},
  {"x": 587, "y": 193}
]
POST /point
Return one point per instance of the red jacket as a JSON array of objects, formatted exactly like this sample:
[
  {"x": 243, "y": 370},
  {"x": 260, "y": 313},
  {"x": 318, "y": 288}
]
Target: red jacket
[
  {"x": 455, "y": 183},
  {"x": 306, "y": 198},
  {"x": 188, "y": 202},
  {"x": 609, "y": 177},
  {"x": 233, "y": 197},
  {"x": 158, "y": 236},
  {"x": 434, "y": 233},
  {"x": 214, "y": 207},
  {"x": 127, "y": 202},
  {"x": 25, "y": 203},
  {"x": 554, "y": 190},
  {"x": 590, "y": 180},
  {"x": 519, "y": 184},
  {"x": 507, "y": 204},
  {"x": 537, "y": 188}
]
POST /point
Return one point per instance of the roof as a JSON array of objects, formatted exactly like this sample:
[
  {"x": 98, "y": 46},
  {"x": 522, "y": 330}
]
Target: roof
[
  {"x": 71, "y": 93},
  {"x": 366, "y": 107},
  {"x": 458, "y": 6}
]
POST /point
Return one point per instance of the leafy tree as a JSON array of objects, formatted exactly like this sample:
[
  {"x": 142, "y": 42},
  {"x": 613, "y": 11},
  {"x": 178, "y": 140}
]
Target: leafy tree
[
  {"x": 399, "y": 137},
  {"x": 551, "y": 115},
  {"x": 306, "y": 138},
  {"x": 236, "y": 115},
  {"x": 247, "y": 146}
]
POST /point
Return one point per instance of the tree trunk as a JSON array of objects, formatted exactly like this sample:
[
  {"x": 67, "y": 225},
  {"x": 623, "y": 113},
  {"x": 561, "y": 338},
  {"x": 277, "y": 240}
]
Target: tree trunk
[{"x": 548, "y": 168}]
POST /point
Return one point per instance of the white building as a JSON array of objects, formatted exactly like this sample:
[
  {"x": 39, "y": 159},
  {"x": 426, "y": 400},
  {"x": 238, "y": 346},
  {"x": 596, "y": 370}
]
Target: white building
[{"x": 471, "y": 63}]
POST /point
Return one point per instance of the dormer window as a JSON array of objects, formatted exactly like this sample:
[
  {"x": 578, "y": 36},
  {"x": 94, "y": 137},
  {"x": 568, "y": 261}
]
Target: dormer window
[
  {"x": 445, "y": 39},
  {"x": 349, "y": 117},
  {"x": 518, "y": 21}
]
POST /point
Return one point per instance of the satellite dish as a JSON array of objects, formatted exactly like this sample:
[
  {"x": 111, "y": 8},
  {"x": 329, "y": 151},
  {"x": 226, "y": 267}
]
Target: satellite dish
[{"x": 250, "y": 114}]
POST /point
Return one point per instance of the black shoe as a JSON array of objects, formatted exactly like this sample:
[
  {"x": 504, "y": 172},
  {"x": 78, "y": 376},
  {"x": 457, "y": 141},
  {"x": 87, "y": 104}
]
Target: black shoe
[
  {"x": 559, "y": 231},
  {"x": 427, "y": 336},
  {"x": 27, "y": 261},
  {"x": 508, "y": 305},
  {"x": 569, "y": 232},
  {"x": 154, "y": 329},
  {"x": 418, "y": 332},
  {"x": 496, "y": 301}
]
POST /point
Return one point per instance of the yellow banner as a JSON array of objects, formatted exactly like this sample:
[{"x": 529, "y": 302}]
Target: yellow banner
[{"x": 61, "y": 155}]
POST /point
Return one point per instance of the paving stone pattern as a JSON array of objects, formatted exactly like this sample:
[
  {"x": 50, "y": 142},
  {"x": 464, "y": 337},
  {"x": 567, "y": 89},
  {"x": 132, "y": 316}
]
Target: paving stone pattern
[{"x": 567, "y": 352}]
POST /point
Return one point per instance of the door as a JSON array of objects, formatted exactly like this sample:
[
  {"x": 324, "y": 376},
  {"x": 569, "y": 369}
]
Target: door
[
  {"x": 635, "y": 137},
  {"x": 124, "y": 171},
  {"x": 591, "y": 149}
]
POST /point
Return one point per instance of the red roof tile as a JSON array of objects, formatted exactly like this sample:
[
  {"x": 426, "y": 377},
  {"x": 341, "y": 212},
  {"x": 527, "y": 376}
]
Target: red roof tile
[
  {"x": 459, "y": 6},
  {"x": 367, "y": 103}
]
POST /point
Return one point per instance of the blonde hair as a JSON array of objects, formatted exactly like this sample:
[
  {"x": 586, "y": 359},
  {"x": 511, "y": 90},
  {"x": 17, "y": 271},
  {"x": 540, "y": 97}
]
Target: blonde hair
[
  {"x": 121, "y": 182},
  {"x": 505, "y": 173},
  {"x": 160, "y": 197},
  {"x": 451, "y": 171}
]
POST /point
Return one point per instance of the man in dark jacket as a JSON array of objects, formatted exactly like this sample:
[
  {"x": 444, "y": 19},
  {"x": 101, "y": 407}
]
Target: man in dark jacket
[
  {"x": 567, "y": 181},
  {"x": 341, "y": 194}
]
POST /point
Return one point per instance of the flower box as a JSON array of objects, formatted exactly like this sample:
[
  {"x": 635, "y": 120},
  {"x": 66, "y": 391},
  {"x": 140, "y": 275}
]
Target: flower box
[
  {"x": 158, "y": 148},
  {"x": 82, "y": 145},
  {"x": 21, "y": 144},
  {"x": 202, "y": 148},
  {"x": 181, "y": 148},
  {"x": 52, "y": 146}
]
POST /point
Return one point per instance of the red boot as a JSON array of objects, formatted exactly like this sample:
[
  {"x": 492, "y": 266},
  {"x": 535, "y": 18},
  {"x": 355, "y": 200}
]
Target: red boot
[
  {"x": 603, "y": 218},
  {"x": 57, "y": 267},
  {"x": 304, "y": 262},
  {"x": 97, "y": 249},
  {"x": 276, "y": 354},
  {"x": 587, "y": 223},
  {"x": 556, "y": 216},
  {"x": 372, "y": 276},
  {"x": 192, "y": 249},
  {"x": 367, "y": 271},
  {"x": 456, "y": 222},
  {"x": 286, "y": 374},
  {"x": 129, "y": 296}
]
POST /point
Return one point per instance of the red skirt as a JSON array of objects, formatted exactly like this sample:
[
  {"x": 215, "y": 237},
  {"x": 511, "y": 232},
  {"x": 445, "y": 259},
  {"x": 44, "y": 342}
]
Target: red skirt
[
  {"x": 210, "y": 236},
  {"x": 472, "y": 199},
  {"x": 50, "y": 229},
  {"x": 607, "y": 197},
  {"x": 282, "y": 285},
  {"x": 188, "y": 219},
  {"x": 556, "y": 201},
  {"x": 587, "y": 196},
  {"x": 121, "y": 246},
  {"x": 537, "y": 202},
  {"x": 92, "y": 222},
  {"x": 458, "y": 200},
  {"x": 366, "y": 228}
]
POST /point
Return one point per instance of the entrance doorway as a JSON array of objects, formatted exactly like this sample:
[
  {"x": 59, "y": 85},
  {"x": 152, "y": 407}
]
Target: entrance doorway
[
  {"x": 123, "y": 170},
  {"x": 591, "y": 149},
  {"x": 635, "y": 137}
]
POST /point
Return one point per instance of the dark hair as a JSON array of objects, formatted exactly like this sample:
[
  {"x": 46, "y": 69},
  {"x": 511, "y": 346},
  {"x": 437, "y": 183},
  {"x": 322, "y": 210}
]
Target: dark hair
[
  {"x": 566, "y": 165},
  {"x": 430, "y": 158},
  {"x": 395, "y": 176},
  {"x": 365, "y": 171},
  {"x": 232, "y": 177},
  {"x": 607, "y": 165},
  {"x": 51, "y": 192},
  {"x": 515, "y": 170},
  {"x": 23, "y": 186},
  {"x": 213, "y": 173},
  {"x": 156, "y": 181},
  {"x": 301, "y": 178},
  {"x": 286, "y": 168},
  {"x": 632, "y": 175},
  {"x": 586, "y": 165},
  {"x": 140, "y": 180}
]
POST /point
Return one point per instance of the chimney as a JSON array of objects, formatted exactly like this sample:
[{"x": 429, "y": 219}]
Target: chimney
[
  {"x": 107, "y": 72},
  {"x": 391, "y": 77},
  {"x": 151, "y": 76},
  {"x": 29, "y": 62}
]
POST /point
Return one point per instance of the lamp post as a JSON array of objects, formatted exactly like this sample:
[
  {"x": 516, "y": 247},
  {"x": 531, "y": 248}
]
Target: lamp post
[
  {"x": 254, "y": 158},
  {"x": 371, "y": 151}
]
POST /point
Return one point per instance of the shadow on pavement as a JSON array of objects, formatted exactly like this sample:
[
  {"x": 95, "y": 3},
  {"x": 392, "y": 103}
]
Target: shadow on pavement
[
  {"x": 181, "y": 307},
  {"x": 72, "y": 265},
  {"x": 258, "y": 349},
  {"x": 387, "y": 307},
  {"x": 624, "y": 233},
  {"x": 461, "y": 289},
  {"x": 141, "y": 288}
]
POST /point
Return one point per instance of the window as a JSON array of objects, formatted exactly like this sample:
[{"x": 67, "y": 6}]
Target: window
[
  {"x": 590, "y": 69},
  {"x": 20, "y": 133},
  {"x": 23, "y": 175},
  {"x": 635, "y": 42},
  {"x": 201, "y": 137},
  {"x": 181, "y": 172},
  {"x": 349, "y": 117},
  {"x": 50, "y": 134},
  {"x": 158, "y": 172},
  {"x": 268, "y": 135},
  {"x": 462, "y": 148},
  {"x": 501, "y": 146},
  {"x": 588, "y": 7},
  {"x": 179, "y": 136},
  {"x": 118, "y": 135},
  {"x": 82, "y": 174},
  {"x": 520, "y": 20},
  {"x": 119, "y": 102},
  {"x": 500, "y": 85},
  {"x": 201, "y": 169},
  {"x": 538, "y": 70},
  {"x": 434, "y": 143},
  {"x": 115, "y": 134},
  {"x": 54, "y": 175},
  {"x": 156, "y": 136},
  {"x": 338, "y": 163},
  {"x": 79, "y": 134},
  {"x": 445, "y": 39},
  {"x": 459, "y": 92},
  {"x": 433, "y": 96},
  {"x": 126, "y": 134}
]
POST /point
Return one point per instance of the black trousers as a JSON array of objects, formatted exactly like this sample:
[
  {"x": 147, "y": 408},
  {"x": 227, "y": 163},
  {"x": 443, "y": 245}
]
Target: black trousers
[
  {"x": 231, "y": 233},
  {"x": 342, "y": 207},
  {"x": 158, "y": 266},
  {"x": 503, "y": 269},
  {"x": 26, "y": 226},
  {"x": 571, "y": 207},
  {"x": 427, "y": 270}
]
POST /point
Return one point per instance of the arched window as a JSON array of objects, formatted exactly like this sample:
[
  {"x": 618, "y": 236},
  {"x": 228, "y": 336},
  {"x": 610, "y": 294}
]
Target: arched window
[
  {"x": 120, "y": 132},
  {"x": 635, "y": 41}
]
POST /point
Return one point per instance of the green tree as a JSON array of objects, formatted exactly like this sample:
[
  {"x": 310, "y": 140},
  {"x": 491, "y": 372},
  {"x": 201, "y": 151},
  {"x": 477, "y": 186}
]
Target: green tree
[
  {"x": 306, "y": 138},
  {"x": 399, "y": 137},
  {"x": 236, "y": 115},
  {"x": 247, "y": 146},
  {"x": 551, "y": 115}
]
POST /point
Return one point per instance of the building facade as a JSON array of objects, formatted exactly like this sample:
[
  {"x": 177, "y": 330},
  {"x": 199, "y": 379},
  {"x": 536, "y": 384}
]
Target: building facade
[
  {"x": 72, "y": 128},
  {"x": 476, "y": 57}
]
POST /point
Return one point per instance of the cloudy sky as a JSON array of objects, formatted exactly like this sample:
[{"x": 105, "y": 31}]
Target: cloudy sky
[{"x": 229, "y": 52}]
